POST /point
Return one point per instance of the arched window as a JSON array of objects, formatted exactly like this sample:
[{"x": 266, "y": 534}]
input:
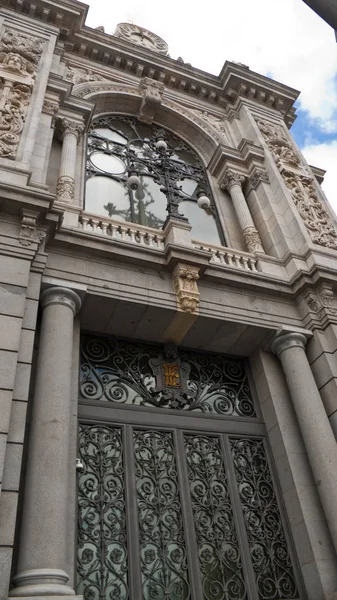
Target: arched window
[{"x": 142, "y": 173}]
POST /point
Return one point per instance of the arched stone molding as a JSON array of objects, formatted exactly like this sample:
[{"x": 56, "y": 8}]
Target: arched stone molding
[{"x": 126, "y": 99}]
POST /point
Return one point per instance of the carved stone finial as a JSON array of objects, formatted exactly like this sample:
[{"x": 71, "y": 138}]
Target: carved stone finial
[
  {"x": 258, "y": 176},
  {"x": 185, "y": 279},
  {"x": 152, "y": 93},
  {"x": 232, "y": 178}
]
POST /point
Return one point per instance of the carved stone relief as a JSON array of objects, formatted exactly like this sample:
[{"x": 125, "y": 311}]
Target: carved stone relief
[
  {"x": 76, "y": 75},
  {"x": 29, "y": 233},
  {"x": 185, "y": 279},
  {"x": 19, "y": 57},
  {"x": 322, "y": 301},
  {"x": 50, "y": 108},
  {"x": 258, "y": 176},
  {"x": 213, "y": 120},
  {"x": 152, "y": 93},
  {"x": 301, "y": 185}
]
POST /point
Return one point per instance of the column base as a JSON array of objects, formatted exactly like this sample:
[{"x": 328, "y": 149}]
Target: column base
[{"x": 41, "y": 583}]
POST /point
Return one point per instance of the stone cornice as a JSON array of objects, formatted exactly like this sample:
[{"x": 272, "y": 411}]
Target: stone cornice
[{"x": 109, "y": 51}]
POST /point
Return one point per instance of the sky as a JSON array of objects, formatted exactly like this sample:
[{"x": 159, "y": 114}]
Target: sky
[{"x": 283, "y": 39}]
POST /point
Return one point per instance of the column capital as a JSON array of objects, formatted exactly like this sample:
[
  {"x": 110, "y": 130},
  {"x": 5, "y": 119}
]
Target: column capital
[
  {"x": 232, "y": 178},
  {"x": 61, "y": 295},
  {"x": 284, "y": 341},
  {"x": 72, "y": 127}
]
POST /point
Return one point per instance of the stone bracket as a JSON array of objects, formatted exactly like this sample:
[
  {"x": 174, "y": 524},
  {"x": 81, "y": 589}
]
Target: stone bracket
[
  {"x": 185, "y": 279},
  {"x": 152, "y": 93}
]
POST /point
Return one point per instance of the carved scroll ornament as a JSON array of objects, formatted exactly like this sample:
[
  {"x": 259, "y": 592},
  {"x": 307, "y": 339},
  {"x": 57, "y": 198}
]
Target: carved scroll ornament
[
  {"x": 301, "y": 185},
  {"x": 19, "y": 57}
]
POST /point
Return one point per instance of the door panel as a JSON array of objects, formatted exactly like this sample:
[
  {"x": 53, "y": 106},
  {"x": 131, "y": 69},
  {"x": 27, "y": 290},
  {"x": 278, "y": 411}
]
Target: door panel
[{"x": 204, "y": 517}]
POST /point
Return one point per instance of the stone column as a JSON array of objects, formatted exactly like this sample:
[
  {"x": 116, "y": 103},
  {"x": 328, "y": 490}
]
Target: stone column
[
  {"x": 71, "y": 132},
  {"x": 317, "y": 434},
  {"x": 233, "y": 184},
  {"x": 43, "y": 541}
]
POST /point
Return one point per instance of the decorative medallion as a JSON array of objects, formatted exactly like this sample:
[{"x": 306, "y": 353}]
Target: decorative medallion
[{"x": 141, "y": 37}]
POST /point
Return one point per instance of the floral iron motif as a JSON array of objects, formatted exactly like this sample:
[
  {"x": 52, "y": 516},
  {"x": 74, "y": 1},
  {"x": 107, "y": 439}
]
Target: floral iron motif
[{"x": 145, "y": 375}]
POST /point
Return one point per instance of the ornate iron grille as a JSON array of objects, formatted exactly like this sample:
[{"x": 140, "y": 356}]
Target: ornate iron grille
[
  {"x": 162, "y": 543},
  {"x": 102, "y": 550},
  {"x": 172, "y": 486},
  {"x": 218, "y": 548},
  {"x": 144, "y": 375},
  {"x": 268, "y": 546}
]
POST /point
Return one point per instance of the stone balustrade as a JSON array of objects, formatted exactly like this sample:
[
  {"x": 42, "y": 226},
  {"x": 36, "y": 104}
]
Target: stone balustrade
[
  {"x": 123, "y": 232},
  {"x": 229, "y": 257}
]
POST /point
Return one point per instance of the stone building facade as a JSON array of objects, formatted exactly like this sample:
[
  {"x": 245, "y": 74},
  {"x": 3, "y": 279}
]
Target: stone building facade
[{"x": 168, "y": 382}]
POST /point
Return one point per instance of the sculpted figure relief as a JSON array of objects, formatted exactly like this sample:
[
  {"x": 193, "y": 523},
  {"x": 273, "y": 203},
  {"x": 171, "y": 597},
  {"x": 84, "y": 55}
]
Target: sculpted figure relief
[
  {"x": 301, "y": 185},
  {"x": 19, "y": 56},
  {"x": 82, "y": 76}
]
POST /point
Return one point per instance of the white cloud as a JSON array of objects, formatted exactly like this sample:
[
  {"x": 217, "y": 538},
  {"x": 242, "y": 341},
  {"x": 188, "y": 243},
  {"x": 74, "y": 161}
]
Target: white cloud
[
  {"x": 284, "y": 38},
  {"x": 325, "y": 156}
]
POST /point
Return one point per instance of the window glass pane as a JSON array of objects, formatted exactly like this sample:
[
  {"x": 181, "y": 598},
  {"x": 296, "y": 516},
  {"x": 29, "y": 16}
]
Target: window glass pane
[
  {"x": 108, "y": 163},
  {"x": 188, "y": 186},
  {"x": 107, "y": 197},
  {"x": 109, "y": 134},
  {"x": 204, "y": 227},
  {"x": 149, "y": 203}
]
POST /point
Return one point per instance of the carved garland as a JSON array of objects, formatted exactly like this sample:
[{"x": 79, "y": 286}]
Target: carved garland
[
  {"x": 19, "y": 57},
  {"x": 301, "y": 185}
]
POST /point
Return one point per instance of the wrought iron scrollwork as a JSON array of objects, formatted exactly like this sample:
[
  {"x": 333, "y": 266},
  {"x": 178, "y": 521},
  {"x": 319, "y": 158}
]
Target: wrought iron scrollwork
[
  {"x": 162, "y": 544},
  {"x": 218, "y": 548},
  {"x": 102, "y": 549},
  {"x": 268, "y": 546},
  {"x": 145, "y": 375}
]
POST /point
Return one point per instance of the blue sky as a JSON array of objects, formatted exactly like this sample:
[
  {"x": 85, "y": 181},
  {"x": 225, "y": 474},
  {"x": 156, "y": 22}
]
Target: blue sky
[{"x": 283, "y": 39}]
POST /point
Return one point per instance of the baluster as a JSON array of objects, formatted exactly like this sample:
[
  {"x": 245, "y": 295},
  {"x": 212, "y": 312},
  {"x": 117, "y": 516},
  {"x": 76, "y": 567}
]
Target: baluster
[
  {"x": 122, "y": 231},
  {"x": 132, "y": 233},
  {"x": 141, "y": 237},
  {"x": 150, "y": 238},
  {"x": 230, "y": 260},
  {"x": 252, "y": 264},
  {"x": 104, "y": 226},
  {"x": 94, "y": 224},
  {"x": 84, "y": 223},
  {"x": 113, "y": 230},
  {"x": 236, "y": 260},
  {"x": 245, "y": 263}
]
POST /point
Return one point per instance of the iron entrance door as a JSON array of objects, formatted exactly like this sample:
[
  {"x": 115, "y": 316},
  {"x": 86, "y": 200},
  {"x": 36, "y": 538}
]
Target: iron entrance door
[{"x": 176, "y": 504}]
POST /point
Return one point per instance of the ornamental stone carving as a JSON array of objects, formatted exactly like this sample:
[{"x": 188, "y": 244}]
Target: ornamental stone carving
[
  {"x": 213, "y": 120},
  {"x": 152, "y": 93},
  {"x": 65, "y": 189},
  {"x": 301, "y": 185},
  {"x": 232, "y": 178},
  {"x": 259, "y": 176},
  {"x": 28, "y": 232},
  {"x": 185, "y": 279},
  {"x": 68, "y": 127},
  {"x": 50, "y": 108},
  {"x": 19, "y": 56},
  {"x": 252, "y": 240},
  {"x": 76, "y": 75},
  {"x": 322, "y": 301}
]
